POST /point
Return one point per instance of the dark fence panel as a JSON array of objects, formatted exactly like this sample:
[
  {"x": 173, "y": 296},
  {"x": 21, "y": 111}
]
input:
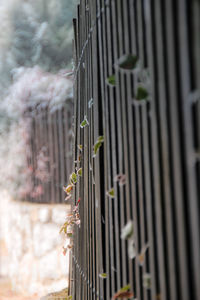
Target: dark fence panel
[
  {"x": 50, "y": 158},
  {"x": 154, "y": 142}
]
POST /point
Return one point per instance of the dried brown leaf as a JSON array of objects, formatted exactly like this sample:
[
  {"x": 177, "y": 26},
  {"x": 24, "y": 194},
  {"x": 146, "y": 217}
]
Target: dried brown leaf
[
  {"x": 141, "y": 255},
  {"x": 123, "y": 295}
]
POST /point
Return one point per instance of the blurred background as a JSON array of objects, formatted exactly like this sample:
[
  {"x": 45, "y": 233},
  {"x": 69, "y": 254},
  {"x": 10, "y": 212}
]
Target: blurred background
[{"x": 35, "y": 66}]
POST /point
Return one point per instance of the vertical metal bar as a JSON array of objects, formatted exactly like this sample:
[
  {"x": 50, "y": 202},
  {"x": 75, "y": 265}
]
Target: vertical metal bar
[
  {"x": 118, "y": 144},
  {"x": 167, "y": 204},
  {"x": 61, "y": 153},
  {"x": 102, "y": 45},
  {"x": 113, "y": 134},
  {"x": 192, "y": 202},
  {"x": 51, "y": 156},
  {"x": 175, "y": 122},
  {"x": 148, "y": 196},
  {"x": 57, "y": 179},
  {"x": 161, "y": 281}
]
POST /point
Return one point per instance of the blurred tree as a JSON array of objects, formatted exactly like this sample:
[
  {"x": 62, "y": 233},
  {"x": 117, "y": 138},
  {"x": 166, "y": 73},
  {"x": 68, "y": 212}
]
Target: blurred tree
[
  {"x": 40, "y": 33},
  {"x": 35, "y": 41},
  {"x": 43, "y": 33}
]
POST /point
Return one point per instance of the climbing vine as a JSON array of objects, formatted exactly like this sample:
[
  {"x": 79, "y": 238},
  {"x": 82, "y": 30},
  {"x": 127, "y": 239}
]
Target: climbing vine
[{"x": 126, "y": 63}]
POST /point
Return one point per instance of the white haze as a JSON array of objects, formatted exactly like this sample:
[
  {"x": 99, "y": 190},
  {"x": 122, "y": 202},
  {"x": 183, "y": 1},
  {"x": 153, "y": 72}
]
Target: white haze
[{"x": 35, "y": 50}]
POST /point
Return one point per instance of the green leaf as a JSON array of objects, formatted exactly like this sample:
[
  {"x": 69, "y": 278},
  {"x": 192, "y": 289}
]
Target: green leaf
[
  {"x": 100, "y": 138},
  {"x": 125, "y": 288},
  {"x": 73, "y": 178},
  {"x": 98, "y": 144},
  {"x": 111, "y": 193},
  {"x": 127, "y": 62},
  {"x": 103, "y": 275},
  {"x": 79, "y": 172},
  {"x": 84, "y": 123},
  {"x": 111, "y": 80},
  {"x": 142, "y": 93},
  {"x": 96, "y": 148}
]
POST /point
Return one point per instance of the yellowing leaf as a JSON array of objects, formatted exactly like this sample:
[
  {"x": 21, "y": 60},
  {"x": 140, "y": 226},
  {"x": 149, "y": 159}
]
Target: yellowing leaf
[
  {"x": 69, "y": 234},
  {"x": 61, "y": 295},
  {"x": 111, "y": 193},
  {"x": 84, "y": 123},
  {"x": 80, "y": 147},
  {"x": 79, "y": 172},
  {"x": 64, "y": 227},
  {"x": 103, "y": 275},
  {"x": 68, "y": 189}
]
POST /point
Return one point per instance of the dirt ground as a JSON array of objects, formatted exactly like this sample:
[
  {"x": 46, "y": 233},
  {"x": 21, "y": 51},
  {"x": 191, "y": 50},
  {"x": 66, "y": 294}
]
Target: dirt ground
[{"x": 6, "y": 292}]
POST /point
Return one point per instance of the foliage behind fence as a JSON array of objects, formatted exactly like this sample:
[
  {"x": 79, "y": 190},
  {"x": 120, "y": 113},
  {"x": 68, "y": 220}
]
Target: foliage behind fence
[{"x": 149, "y": 117}]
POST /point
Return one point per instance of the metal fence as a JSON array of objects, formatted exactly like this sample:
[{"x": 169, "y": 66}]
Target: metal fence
[
  {"x": 153, "y": 140},
  {"x": 50, "y": 153}
]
